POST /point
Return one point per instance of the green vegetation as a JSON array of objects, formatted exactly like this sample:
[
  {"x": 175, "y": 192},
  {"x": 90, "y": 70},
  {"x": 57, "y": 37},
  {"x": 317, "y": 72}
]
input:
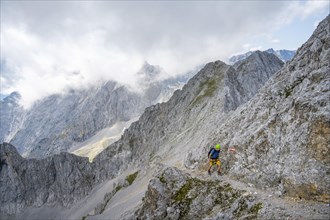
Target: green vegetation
[
  {"x": 222, "y": 195},
  {"x": 119, "y": 187},
  {"x": 255, "y": 208},
  {"x": 84, "y": 217},
  {"x": 130, "y": 178},
  {"x": 105, "y": 205},
  {"x": 183, "y": 191},
  {"x": 207, "y": 89},
  {"x": 241, "y": 207},
  {"x": 131, "y": 142},
  {"x": 289, "y": 89},
  {"x": 288, "y": 92},
  {"x": 162, "y": 179},
  {"x": 183, "y": 198}
]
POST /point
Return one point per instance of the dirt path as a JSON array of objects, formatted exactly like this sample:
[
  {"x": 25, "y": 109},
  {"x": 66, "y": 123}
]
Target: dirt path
[{"x": 281, "y": 207}]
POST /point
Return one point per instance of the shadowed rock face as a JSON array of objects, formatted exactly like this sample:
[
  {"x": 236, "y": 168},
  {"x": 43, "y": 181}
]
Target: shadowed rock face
[
  {"x": 280, "y": 134},
  {"x": 250, "y": 75},
  {"x": 61, "y": 179}
]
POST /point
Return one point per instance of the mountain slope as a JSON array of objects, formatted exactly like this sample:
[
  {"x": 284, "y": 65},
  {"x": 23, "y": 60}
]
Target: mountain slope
[
  {"x": 61, "y": 123},
  {"x": 55, "y": 123},
  {"x": 281, "y": 136}
]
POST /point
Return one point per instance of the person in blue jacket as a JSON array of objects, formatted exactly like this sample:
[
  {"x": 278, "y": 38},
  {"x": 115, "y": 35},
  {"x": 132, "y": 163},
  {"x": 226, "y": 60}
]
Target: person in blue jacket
[{"x": 213, "y": 156}]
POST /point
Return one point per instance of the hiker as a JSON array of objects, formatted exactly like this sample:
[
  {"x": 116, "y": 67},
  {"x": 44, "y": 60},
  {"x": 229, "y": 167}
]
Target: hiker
[{"x": 213, "y": 156}]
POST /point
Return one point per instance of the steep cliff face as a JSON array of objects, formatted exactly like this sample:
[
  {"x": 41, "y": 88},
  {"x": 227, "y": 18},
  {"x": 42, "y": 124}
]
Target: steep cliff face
[
  {"x": 55, "y": 123},
  {"x": 62, "y": 122},
  {"x": 61, "y": 179},
  {"x": 282, "y": 134},
  {"x": 250, "y": 75}
]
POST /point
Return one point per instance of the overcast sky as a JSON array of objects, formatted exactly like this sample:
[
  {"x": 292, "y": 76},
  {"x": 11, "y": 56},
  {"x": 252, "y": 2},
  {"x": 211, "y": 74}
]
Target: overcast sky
[{"x": 47, "y": 46}]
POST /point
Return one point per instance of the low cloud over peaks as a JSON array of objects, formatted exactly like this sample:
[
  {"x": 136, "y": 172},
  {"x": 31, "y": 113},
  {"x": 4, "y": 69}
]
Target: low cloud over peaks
[{"x": 49, "y": 46}]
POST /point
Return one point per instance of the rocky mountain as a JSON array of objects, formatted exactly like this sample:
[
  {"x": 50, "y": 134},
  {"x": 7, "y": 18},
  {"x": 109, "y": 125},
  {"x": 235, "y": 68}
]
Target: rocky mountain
[
  {"x": 11, "y": 114},
  {"x": 53, "y": 124},
  {"x": 284, "y": 55},
  {"x": 249, "y": 76},
  {"x": 36, "y": 182},
  {"x": 65, "y": 122},
  {"x": 158, "y": 167}
]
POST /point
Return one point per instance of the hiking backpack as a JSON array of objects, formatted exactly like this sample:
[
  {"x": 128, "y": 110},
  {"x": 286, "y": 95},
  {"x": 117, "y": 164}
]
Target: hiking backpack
[{"x": 214, "y": 153}]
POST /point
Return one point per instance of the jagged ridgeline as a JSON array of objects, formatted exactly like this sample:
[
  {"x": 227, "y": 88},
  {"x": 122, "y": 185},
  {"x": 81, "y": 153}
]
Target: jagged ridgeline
[{"x": 277, "y": 117}]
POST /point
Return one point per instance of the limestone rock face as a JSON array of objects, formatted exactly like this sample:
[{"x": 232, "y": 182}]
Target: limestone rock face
[
  {"x": 174, "y": 194},
  {"x": 280, "y": 134},
  {"x": 60, "y": 122},
  {"x": 250, "y": 75},
  {"x": 10, "y": 117},
  {"x": 61, "y": 179},
  {"x": 53, "y": 124}
]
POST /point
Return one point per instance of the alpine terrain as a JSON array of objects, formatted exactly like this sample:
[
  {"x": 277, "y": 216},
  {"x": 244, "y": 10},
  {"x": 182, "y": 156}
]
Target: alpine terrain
[
  {"x": 83, "y": 121},
  {"x": 271, "y": 119},
  {"x": 284, "y": 55}
]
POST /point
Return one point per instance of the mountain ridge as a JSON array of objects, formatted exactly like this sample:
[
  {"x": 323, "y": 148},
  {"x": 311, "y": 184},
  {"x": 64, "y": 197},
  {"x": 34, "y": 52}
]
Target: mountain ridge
[
  {"x": 81, "y": 114},
  {"x": 280, "y": 135},
  {"x": 284, "y": 55}
]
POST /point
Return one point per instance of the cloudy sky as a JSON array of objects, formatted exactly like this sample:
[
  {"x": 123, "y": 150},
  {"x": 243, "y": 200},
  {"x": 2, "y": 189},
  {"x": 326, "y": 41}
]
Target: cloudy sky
[{"x": 48, "y": 46}]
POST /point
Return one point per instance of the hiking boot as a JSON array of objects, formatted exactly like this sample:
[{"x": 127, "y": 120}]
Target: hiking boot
[
  {"x": 219, "y": 173},
  {"x": 209, "y": 172}
]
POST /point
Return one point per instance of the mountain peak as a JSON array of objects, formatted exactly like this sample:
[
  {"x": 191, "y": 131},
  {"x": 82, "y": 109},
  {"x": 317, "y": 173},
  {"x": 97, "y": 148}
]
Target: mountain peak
[
  {"x": 284, "y": 55},
  {"x": 14, "y": 97},
  {"x": 149, "y": 71}
]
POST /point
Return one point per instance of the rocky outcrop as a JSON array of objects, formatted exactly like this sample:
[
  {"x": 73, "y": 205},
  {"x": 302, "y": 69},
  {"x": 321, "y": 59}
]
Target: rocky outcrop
[
  {"x": 282, "y": 133},
  {"x": 61, "y": 179},
  {"x": 173, "y": 194},
  {"x": 250, "y": 75}
]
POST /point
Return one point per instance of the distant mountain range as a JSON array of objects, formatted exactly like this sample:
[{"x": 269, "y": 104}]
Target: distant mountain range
[
  {"x": 272, "y": 120},
  {"x": 284, "y": 55},
  {"x": 66, "y": 122}
]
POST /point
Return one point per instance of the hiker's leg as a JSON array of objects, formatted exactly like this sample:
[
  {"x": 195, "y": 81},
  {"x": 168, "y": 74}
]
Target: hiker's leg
[
  {"x": 210, "y": 166},
  {"x": 219, "y": 166}
]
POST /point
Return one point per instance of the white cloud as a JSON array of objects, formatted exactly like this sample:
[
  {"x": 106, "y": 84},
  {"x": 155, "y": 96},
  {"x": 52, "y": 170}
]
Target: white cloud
[
  {"x": 301, "y": 10},
  {"x": 46, "y": 44}
]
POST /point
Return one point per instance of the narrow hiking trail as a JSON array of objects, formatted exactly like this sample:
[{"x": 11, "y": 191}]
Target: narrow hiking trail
[{"x": 272, "y": 201}]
